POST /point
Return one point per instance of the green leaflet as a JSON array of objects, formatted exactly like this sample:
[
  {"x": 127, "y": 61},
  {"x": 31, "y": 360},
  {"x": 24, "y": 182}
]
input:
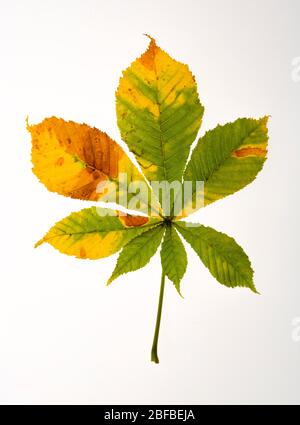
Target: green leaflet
[
  {"x": 92, "y": 233},
  {"x": 137, "y": 253},
  {"x": 224, "y": 258},
  {"x": 228, "y": 158},
  {"x": 173, "y": 257}
]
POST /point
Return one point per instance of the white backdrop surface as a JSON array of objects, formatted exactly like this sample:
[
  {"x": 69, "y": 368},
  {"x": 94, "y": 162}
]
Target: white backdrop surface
[{"x": 64, "y": 336}]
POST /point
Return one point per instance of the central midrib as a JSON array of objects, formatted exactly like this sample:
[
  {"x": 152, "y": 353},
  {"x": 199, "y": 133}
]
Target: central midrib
[
  {"x": 159, "y": 123},
  {"x": 150, "y": 226}
]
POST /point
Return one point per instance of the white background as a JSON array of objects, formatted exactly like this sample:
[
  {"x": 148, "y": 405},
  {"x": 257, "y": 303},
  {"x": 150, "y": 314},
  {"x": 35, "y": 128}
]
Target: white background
[{"x": 64, "y": 336}]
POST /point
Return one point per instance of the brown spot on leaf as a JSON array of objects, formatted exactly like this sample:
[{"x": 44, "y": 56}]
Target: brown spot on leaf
[
  {"x": 147, "y": 58},
  {"x": 133, "y": 220},
  {"x": 60, "y": 161},
  {"x": 96, "y": 175},
  {"x": 250, "y": 151},
  {"x": 82, "y": 253}
]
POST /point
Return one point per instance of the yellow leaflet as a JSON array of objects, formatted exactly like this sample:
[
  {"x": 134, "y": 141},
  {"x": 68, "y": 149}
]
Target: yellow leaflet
[
  {"x": 72, "y": 159},
  {"x": 158, "y": 113},
  {"x": 95, "y": 232}
]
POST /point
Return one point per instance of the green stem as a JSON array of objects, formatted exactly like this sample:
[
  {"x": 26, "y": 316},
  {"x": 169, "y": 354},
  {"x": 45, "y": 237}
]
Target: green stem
[{"x": 154, "y": 356}]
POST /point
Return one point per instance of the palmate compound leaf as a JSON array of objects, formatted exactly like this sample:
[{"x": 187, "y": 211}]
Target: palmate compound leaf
[
  {"x": 227, "y": 159},
  {"x": 92, "y": 233},
  {"x": 173, "y": 257},
  {"x": 138, "y": 252},
  {"x": 224, "y": 258},
  {"x": 158, "y": 113},
  {"x": 82, "y": 162}
]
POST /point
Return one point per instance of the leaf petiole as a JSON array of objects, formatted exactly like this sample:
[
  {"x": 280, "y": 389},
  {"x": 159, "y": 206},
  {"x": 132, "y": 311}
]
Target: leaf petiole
[{"x": 154, "y": 356}]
